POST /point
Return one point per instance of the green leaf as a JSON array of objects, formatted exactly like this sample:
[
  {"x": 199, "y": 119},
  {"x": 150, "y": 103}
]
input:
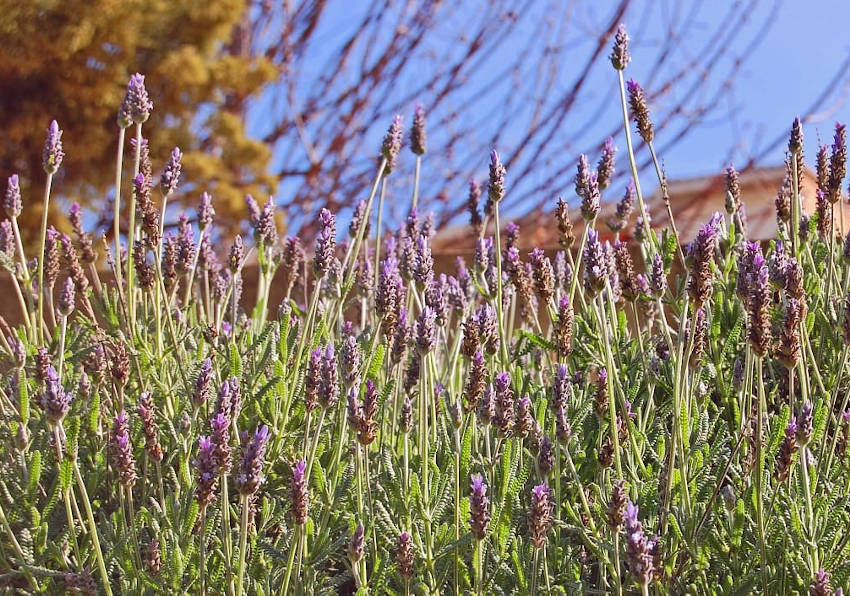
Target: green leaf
[
  {"x": 34, "y": 472},
  {"x": 65, "y": 471},
  {"x": 377, "y": 362},
  {"x": 24, "y": 400},
  {"x": 235, "y": 362}
]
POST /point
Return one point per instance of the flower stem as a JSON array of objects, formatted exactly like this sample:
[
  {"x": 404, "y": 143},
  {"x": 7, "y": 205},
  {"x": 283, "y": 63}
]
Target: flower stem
[{"x": 243, "y": 545}]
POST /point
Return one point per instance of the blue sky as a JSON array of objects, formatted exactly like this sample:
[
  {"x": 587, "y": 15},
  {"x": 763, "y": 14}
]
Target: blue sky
[
  {"x": 797, "y": 58},
  {"x": 792, "y": 51}
]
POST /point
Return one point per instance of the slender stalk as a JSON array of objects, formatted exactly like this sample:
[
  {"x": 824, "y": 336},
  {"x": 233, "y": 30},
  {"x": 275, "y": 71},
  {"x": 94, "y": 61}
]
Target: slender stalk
[
  {"x": 534, "y": 564},
  {"x": 116, "y": 217},
  {"x": 93, "y": 530},
  {"x": 46, "y": 208},
  {"x": 294, "y": 545},
  {"x": 760, "y": 473},
  {"x": 243, "y": 545},
  {"x": 66, "y": 495},
  {"x": 379, "y": 227},
  {"x": 643, "y": 213}
]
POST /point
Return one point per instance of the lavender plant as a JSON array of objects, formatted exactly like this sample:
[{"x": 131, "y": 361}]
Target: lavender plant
[{"x": 677, "y": 422}]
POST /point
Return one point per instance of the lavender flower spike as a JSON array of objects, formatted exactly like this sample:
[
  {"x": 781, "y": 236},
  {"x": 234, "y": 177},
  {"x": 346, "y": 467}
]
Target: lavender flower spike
[
  {"x": 65, "y": 305},
  {"x": 125, "y": 464},
  {"x": 12, "y": 203},
  {"x": 605, "y": 167},
  {"x": 171, "y": 173},
  {"x": 55, "y": 400},
  {"x": 620, "y": 52},
  {"x": 418, "y": 139},
  {"x": 479, "y": 507},
  {"x": 137, "y": 105},
  {"x": 540, "y": 514},
  {"x": 392, "y": 145},
  {"x": 53, "y": 154},
  {"x": 640, "y": 111},
  {"x": 587, "y": 187},
  {"x": 207, "y": 468},
  {"x": 637, "y": 546},
  {"x": 250, "y": 475},
  {"x": 496, "y": 188},
  {"x": 298, "y": 493}
]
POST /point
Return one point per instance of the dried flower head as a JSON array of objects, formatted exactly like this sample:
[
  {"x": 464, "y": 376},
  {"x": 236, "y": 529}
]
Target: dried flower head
[{"x": 418, "y": 138}]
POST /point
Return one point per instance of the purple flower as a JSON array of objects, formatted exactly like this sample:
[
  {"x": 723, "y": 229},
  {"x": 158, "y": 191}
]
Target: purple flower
[
  {"x": 202, "y": 384},
  {"x": 587, "y": 188},
  {"x": 250, "y": 475},
  {"x": 171, "y": 173},
  {"x": 701, "y": 281},
  {"x": 479, "y": 507},
  {"x": 496, "y": 187},
  {"x": 837, "y": 162},
  {"x": 53, "y": 154},
  {"x": 55, "y": 400},
  {"x": 423, "y": 271},
  {"x": 638, "y": 552},
  {"x": 605, "y": 167},
  {"x": 137, "y": 105},
  {"x": 207, "y": 468},
  {"x": 525, "y": 423},
  {"x": 265, "y": 231},
  {"x": 804, "y": 424},
  {"x": 12, "y": 203},
  {"x": 759, "y": 307},
  {"x": 358, "y": 220},
  {"x": 624, "y": 209},
  {"x": 356, "y": 544},
  {"x": 544, "y": 275},
  {"x": 404, "y": 556},
  {"x": 640, "y": 111},
  {"x": 298, "y": 493},
  {"x": 205, "y": 210},
  {"x": 540, "y": 514},
  {"x": 325, "y": 244},
  {"x": 620, "y": 51},
  {"x": 821, "y": 586},
  {"x": 392, "y": 144},
  {"x": 65, "y": 305},
  {"x": 560, "y": 389},
  {"x": 329, "y": 394},
  {"x": 425, "y": 330},
  {"x": 476, "y": 381},
  {"x": 617, "y": 506},
  {"x": 504, "y": 418},
  {"x": 147, "y": 413},
  {"x": 124, "y": 462},
  {"x": 595, "y": 264},
  {"x": 795, "y": 140}
]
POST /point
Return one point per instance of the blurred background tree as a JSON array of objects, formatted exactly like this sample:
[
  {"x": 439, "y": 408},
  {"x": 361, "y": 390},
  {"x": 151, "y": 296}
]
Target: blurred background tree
[
  {"x": 292, "y": 97},
  {"x": 71, "y": 59}
]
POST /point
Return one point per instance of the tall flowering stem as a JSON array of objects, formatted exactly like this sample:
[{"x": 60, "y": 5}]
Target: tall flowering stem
[
  {"x": 52, "y": 159},
  {"x": 623, "y": 42}
]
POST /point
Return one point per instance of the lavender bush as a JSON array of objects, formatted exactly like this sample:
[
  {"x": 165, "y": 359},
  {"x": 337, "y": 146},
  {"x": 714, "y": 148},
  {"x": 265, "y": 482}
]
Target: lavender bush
[{"x": 614, "y": 418}]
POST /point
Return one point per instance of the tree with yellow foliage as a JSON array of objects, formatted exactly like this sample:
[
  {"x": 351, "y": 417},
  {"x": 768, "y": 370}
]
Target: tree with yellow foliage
[{"x": 71, "y": 60}]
